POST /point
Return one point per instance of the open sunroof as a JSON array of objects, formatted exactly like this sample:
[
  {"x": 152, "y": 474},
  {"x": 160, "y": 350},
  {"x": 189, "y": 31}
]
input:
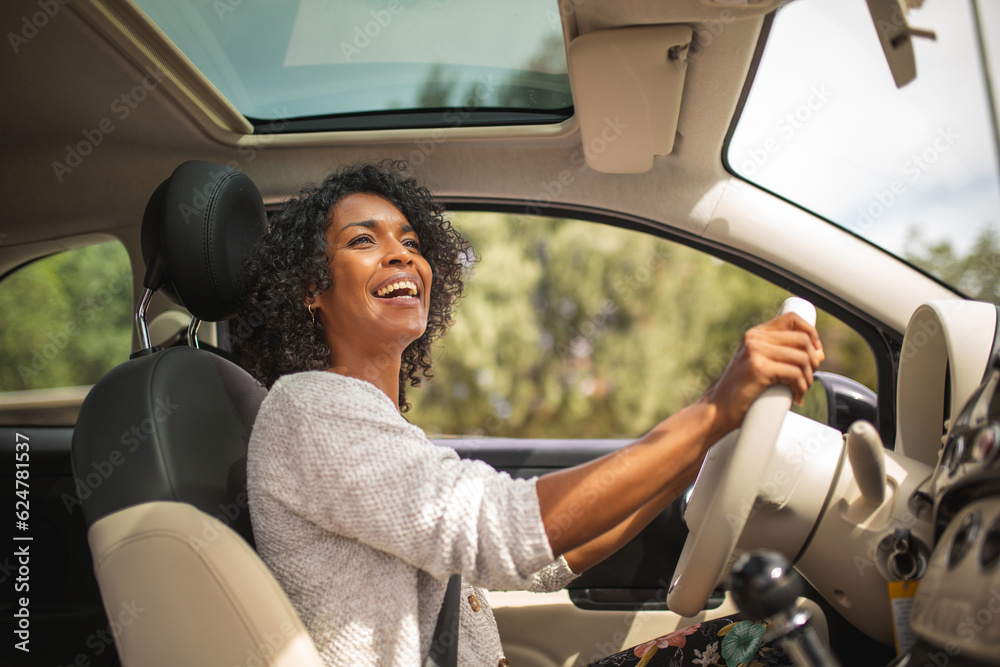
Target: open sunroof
[{"x": 298, "y": 65}]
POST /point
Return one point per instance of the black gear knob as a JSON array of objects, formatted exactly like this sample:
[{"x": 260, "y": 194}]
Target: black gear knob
[{"x": 764, "y": 584}]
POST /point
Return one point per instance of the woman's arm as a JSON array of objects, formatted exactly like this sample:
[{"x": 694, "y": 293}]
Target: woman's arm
[
  {"x": 591, "y": 510},
  {"x": 593, "y": 552}
]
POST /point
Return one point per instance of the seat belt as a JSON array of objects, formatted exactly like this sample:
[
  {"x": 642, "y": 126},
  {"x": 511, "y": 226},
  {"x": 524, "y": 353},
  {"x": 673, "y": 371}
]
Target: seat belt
[{"x": 444, "y": 644}]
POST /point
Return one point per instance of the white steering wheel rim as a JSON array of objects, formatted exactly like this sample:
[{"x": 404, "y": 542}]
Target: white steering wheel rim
[{"x": 724, "y": 493}]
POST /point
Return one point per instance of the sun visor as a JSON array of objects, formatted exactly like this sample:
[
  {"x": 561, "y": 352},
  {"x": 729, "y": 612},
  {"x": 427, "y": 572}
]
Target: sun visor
[{"x": 627, "y": 86}]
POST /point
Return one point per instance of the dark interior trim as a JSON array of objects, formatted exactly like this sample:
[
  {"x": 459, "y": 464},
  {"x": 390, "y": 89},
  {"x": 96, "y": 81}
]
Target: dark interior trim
[{"x": 412, "y": 120}]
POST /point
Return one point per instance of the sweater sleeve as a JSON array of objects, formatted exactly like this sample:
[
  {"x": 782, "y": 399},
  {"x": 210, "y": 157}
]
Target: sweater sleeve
[
  {"x": 348, "y": 462},
  {"x": 552, "y": 577}
]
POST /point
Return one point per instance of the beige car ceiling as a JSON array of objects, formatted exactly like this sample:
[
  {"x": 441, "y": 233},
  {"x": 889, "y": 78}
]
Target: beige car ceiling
[
  {"x": 68, "y": 81},
  {"x": 63, "y": 82}
]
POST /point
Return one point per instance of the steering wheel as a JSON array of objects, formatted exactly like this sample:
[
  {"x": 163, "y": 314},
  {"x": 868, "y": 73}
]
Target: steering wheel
[{"x": 726, "y": 489}]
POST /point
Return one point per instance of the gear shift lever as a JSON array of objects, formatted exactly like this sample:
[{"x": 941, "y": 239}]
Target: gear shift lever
[{"x": 764, "y": 585}]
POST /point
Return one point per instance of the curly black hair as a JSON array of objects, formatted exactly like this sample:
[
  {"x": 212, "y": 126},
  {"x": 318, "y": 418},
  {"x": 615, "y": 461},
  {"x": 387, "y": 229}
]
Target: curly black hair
[{"x": 274, "y": 332}]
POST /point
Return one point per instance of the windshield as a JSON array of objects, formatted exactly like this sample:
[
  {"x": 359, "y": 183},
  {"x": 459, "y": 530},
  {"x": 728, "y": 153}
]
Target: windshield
[{"x": 913, "y": 170}]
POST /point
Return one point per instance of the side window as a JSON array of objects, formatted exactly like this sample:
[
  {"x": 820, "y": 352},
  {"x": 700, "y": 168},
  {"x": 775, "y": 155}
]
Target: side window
[
  {"x": 572, "y": 329},
  {"x": 66, "y": 320}
]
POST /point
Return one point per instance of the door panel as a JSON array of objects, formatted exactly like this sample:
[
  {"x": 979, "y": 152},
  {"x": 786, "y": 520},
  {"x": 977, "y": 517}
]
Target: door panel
[
  {"x": 637, "y": 576},
  {"x": 66, "y": 620},
  {"x": 548, "y": 630}
]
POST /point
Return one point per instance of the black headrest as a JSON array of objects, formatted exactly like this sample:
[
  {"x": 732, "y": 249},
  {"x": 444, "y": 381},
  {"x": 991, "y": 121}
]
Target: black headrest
[{"x": 198, "y": 226}]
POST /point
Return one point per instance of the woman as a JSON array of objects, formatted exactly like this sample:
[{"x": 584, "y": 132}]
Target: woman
[{"x": 360, "y": 517}]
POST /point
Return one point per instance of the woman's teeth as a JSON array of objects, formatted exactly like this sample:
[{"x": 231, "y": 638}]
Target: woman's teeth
[{"x": 408, "y": 285}]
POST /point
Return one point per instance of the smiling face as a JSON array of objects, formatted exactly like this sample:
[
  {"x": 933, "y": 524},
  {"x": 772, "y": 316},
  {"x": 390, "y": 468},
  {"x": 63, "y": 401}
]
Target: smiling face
[{"x": 378, "y": 301}]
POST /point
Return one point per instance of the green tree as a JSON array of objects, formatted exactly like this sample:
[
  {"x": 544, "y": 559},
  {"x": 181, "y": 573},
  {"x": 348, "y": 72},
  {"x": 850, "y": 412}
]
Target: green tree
[
  {"x": 977, "y": 273},
  {"x": 66, "y": 318},
  {"x": 575, "y": 330}
]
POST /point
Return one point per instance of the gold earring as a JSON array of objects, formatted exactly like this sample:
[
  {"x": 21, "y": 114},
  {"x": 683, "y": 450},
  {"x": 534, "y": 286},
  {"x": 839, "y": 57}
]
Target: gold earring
[{"x": 309, "y": 307}]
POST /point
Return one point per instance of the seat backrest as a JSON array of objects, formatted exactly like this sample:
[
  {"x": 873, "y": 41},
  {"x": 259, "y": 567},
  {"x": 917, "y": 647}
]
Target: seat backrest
[{"x": 161, "y": 446}]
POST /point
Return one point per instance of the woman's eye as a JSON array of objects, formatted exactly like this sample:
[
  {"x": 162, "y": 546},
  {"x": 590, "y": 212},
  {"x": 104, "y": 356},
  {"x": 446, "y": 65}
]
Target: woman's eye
[
  {"x": 412, "y": 243},
  {"x": 357, "y": 240}
]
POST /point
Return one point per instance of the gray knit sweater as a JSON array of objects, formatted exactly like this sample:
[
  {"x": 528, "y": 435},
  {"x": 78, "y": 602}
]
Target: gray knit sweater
[{"x": 362, "y": 520}]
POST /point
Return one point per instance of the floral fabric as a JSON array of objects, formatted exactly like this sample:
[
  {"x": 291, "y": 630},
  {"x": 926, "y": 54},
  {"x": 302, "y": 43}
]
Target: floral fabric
[{"x": 726, "y": 642}]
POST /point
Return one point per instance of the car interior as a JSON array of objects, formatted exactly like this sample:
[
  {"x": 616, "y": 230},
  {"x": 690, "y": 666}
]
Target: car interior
[{"x": 638, "y": 187}]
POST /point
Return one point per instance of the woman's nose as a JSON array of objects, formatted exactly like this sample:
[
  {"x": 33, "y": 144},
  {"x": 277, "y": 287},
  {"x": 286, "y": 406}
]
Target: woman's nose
[{"x": 398, "y": 254}]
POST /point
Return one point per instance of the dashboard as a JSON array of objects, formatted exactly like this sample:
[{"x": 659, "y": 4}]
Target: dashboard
[
  {"x": 904, "y": 540},
  {"x": 956, "y": 611}
]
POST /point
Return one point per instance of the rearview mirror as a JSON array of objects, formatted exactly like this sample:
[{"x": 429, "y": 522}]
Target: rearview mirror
[{"x": 894, "y": 33}]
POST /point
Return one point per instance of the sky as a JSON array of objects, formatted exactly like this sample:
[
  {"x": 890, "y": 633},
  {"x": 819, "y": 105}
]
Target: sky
[
  {"x": 826, "y": 127},
  {"x": 441, "y": 31}
]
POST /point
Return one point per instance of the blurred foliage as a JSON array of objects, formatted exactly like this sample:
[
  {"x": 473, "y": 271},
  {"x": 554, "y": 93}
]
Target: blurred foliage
[
  {"x": 540, "y": 83},
  {"x": 67, "y": 318},
  {"x": 976, "y": 274},
  {"x": 569, "y": 329},
  {"x": 578, "y": 330}
]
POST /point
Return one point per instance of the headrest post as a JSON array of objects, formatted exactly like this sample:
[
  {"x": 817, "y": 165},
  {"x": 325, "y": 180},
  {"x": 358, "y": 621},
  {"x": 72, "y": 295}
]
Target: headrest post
[
  {"x": 192, "y": 333},
  {"x": 140, "y": 320}
]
